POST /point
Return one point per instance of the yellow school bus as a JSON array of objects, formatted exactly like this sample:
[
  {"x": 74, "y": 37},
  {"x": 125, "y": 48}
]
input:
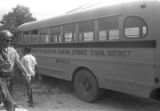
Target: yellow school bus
[{"x": 113, "y": 47}]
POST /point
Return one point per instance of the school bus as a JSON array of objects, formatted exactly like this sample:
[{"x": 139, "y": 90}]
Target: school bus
[{"x": 113, "y": 47}]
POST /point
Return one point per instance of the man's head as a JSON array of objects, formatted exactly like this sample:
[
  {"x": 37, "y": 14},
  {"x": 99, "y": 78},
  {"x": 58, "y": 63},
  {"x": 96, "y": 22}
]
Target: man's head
[
  {"x": 27, "y": 50},
  {"x": 5, "y": 38}
]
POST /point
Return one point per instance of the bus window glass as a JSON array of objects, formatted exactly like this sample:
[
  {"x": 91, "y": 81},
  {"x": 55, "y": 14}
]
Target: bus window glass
[
  {"x": 20, "y": 38},
  {"x": 108, "y": 28},
  {"x": 68, "y": 37},
  {"x": 113, "y": 34},
  {"x": 86, "y": 30},
  {"x": 144, "y": 30},
  {"x": 55, "y": 35},
  {"x": 135, "y": 27},
  {"x": 132, "y": 32},
  {"x": 26, "y": 37},
  {"x": 69, "y": 30},
  {"x": 55, "y": 38},
  {"x": 102, "y": 35},
  {"x": 80, "y": 36},
  {"x": 88, "y": 36},
  {"x": 34, "y": 34},
  {"x": 44, "y": 37}
]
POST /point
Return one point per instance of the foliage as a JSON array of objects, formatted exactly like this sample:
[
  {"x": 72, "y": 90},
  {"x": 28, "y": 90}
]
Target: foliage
[{"x": 16, "y": 17}]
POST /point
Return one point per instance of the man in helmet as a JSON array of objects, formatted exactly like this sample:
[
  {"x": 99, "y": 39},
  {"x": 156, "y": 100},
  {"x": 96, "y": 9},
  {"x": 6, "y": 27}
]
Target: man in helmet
[
  {"x": 8, "y": 58},
  {"x": 13, "y": 57}
]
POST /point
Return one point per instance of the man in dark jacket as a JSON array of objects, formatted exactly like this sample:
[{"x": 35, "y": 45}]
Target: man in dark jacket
[{"x": 8, "y": 58}]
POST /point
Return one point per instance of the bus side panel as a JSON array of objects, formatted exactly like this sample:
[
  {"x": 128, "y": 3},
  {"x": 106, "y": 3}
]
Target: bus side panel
[
  {"x": 155, "y": 34},
  {"x": 128, "y": 70},
  {"x": 132, "y": 73}
]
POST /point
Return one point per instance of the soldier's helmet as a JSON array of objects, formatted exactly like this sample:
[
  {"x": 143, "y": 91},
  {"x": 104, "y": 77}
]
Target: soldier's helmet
[{"x": 5, "y": 34}]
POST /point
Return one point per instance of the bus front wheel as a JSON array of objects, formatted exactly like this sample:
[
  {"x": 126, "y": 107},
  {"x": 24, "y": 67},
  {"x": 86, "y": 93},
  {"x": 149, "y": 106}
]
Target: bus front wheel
[{"x": 86, "y": 85}]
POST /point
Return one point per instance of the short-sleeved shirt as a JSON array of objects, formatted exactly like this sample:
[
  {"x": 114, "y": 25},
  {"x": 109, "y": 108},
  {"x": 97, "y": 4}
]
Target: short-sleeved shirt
[
  {"x": 29, "y": 62},
  {"x": 12, "y": 56}
]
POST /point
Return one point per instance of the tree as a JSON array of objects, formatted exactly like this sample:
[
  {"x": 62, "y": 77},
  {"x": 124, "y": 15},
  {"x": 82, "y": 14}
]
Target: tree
[{"x": 16, "y": 17}]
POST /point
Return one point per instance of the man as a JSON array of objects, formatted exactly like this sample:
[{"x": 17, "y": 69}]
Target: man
[
  {"x": 10, "y": 55},
  {"x": 5, "y": 38},
  {"x": 30, "y": 63}
]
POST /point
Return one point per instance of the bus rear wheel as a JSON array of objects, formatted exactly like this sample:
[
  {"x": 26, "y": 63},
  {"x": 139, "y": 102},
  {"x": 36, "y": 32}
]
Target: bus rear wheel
[{"x": 86, "y": 86}]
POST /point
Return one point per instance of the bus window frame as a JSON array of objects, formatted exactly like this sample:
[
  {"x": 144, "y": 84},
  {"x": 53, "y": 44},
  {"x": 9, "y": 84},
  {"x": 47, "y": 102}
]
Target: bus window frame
[
  {"x": 44, "y": 36},
  {"x": 86, "y": 31},
  {"x": 69, "y": 29},
  {"x": 20, "y": 38},
  {"x": 109, "y": 19},
  {"x": 55, "y": 34},
  {"x": 140, "y": 18},
  {"x": 33, "y": 35},
  {"x": 29, "y": 37}
]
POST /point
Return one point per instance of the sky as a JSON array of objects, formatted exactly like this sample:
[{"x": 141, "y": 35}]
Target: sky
[{"x": 43, "y": 9}]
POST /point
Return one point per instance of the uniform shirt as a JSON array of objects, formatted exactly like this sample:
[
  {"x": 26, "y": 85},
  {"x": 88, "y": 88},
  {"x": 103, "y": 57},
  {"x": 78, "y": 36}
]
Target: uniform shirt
[
  {"x": 29, "y": 62},
  {"x": 4, "y": 61},
  {"x": 12, "y": 56}
]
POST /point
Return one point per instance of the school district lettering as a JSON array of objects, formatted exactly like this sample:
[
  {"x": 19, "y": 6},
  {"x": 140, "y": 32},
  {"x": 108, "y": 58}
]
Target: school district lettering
[{"x": 118, "y": 53}]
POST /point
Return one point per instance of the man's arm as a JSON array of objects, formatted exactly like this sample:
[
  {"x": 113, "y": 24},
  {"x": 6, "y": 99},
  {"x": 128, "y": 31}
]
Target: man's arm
[{"x": 20, "y": 66}]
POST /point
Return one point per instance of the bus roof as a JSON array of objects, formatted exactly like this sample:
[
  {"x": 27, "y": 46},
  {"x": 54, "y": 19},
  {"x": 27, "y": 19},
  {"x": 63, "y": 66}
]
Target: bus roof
[{"x": 117, "y": 9}]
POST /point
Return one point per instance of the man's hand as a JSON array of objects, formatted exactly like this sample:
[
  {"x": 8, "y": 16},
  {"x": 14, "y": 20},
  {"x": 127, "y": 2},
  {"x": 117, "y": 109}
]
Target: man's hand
[{"x": 28, "y": 78}]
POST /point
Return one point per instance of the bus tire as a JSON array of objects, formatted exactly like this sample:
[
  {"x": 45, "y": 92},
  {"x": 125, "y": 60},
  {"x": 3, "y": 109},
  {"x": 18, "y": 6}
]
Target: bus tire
[{"x": 86, "y": 86}]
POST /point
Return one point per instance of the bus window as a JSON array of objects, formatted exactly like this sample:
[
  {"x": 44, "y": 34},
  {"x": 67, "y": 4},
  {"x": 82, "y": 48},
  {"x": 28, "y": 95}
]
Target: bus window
[
  {"x": 69, "y": 31},
  {"x": 68, "y": 37},
  {"x": 20, "y": 38},
  {"x": 55, "y": 35},
  {"x": 44, "y": 37},
  {"x": 88, "y": 36},
  {"x": 102, "y": 35},
  {"x": 34, "y": 34},
  {"x": 26, "y": 37},
  {"x": 134, "y": 27},
  {"x": 86, "y": 30},
  {"x": 108, "y": 28},
  {"x": 113, "y": 34}
]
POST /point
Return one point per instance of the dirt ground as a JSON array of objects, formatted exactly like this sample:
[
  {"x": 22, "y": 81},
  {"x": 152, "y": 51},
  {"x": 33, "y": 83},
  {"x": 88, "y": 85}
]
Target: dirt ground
[{"x": 53, "y": 94}]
